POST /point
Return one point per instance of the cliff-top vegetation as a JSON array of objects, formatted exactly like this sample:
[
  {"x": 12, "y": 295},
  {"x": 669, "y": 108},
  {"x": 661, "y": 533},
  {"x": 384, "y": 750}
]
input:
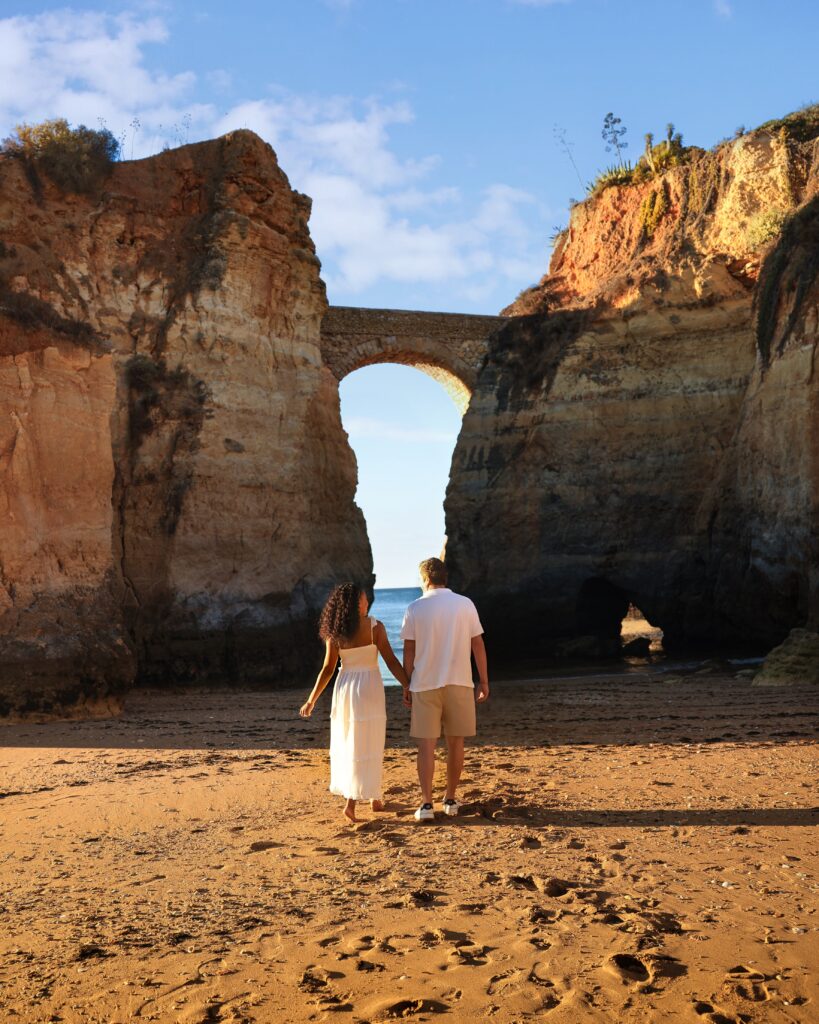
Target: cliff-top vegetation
[
  {"x": 799, "y": 126},
  {"x": 75, "y": 159}
]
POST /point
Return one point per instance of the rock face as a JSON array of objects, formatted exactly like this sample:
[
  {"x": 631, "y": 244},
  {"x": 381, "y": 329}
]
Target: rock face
[
  {"x": 792, "y": 662},
  {"x": 645, "y": 429},
  {"x": 176, "y": 489},
  {"x": 62, "y": 629}
]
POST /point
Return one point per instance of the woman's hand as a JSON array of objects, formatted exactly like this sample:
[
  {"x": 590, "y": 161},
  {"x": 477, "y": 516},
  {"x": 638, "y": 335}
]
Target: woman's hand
[{"x": 307, "y": 708}]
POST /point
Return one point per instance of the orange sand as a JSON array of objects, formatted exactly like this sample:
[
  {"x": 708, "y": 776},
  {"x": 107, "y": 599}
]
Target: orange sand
[{"x": 631, "y": 850}]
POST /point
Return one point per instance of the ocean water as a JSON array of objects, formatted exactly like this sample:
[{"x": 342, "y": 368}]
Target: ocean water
[{"x": 388, "y": 607}]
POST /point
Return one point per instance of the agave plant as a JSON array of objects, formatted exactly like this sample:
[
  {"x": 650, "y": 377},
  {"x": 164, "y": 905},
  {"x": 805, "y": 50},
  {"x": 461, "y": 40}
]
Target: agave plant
[{"x": 616, "y": 174}]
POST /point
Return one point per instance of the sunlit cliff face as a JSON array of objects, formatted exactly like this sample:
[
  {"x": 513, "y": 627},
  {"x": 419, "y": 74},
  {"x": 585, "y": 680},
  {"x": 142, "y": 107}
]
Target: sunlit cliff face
[
  {"x": 644, "y": 434},
  {"x": 170, "y": 428}
]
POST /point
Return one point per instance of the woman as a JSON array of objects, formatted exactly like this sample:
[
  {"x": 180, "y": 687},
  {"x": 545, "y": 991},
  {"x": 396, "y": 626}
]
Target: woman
[{"x": 358, "y": 717}]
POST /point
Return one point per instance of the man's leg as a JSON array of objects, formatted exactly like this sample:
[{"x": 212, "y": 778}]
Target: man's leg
[
  {"x": 426, "y": 767},
  {"x": 454, "y": 764}
]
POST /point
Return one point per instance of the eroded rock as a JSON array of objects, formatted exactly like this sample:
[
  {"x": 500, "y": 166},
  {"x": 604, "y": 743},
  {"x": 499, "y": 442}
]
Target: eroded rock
[
  {"x": 794, "y": 661},
  {"x": 176, "y": 489}
]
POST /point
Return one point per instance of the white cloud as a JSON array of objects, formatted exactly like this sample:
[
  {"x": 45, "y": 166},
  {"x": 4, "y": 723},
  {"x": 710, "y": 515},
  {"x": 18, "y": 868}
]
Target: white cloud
[
  {"x": 88, "y": 67},
  {"x": 723, "y": 8},
  {"x": 378, "y": 217},
  {"x": 375, "y": 218}
]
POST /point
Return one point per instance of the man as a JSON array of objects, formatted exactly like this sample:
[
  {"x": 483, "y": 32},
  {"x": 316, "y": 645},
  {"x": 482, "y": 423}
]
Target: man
[{"x": 440, "y": 631}]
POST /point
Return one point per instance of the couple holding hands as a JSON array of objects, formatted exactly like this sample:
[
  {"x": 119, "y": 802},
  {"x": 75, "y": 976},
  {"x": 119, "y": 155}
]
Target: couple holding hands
[{"x": 441, "y": 631}]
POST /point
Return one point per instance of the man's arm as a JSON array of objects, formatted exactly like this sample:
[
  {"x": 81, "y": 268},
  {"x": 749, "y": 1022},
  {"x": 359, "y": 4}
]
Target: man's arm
[
  {"x": 479, "y": 654},
  {"x": 409, "y": 665}
]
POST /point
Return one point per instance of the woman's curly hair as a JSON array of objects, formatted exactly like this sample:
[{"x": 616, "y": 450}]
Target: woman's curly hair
[{"x": 340, "y": 617}]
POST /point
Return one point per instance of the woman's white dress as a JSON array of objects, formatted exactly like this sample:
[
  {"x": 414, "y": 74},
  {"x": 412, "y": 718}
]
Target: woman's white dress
[{"x": 358, "y": 725}]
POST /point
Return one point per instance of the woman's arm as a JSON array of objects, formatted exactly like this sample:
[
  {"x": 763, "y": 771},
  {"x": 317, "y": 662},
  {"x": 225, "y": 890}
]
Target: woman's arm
[
  {"x": 323, "y": 678},
  {"x": 382, "y": 642},
  {"x": 409, "y": 657}
]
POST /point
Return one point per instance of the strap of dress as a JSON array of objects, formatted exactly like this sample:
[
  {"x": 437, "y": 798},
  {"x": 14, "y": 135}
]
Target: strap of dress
[{"x": 372, "y": 623}]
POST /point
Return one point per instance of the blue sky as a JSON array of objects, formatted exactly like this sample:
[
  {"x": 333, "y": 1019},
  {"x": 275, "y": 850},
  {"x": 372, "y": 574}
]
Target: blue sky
[{"x": 424, "y": 131}]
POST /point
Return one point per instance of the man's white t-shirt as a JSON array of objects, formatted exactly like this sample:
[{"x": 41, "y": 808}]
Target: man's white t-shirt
[{"x": 442, "y": 624}]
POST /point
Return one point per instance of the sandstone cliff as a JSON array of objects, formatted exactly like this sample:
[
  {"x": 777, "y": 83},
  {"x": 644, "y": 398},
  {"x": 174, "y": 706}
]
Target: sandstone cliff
[
  {"x": 645, "y": 428},
  {"x": 176, "y": 489}
]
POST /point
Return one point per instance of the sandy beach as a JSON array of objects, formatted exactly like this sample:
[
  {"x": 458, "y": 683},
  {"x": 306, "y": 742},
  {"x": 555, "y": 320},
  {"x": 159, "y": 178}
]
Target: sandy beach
[{"x": 631, "y": 849}]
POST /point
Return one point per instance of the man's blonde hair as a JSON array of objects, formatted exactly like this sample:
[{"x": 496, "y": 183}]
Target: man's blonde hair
[{"x": 433, "y": 571}]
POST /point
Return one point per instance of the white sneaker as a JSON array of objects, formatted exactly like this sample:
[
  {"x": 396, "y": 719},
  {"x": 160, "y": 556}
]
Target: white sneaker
[
  {"x": 451, "y": 807},
  {"x": 425, "y": 813}
]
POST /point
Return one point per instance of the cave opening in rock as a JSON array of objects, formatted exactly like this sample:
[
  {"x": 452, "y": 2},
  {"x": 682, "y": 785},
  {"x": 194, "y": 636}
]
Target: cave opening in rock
[
  {"x": 402, "y": 425},
  {"x": 608, "y": 613},
  {"x": 640, "y": 637}
]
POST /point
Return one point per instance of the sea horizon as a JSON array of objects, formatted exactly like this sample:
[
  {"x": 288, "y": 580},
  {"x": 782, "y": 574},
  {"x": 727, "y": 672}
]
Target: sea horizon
[{"x": 389, "y": 605}]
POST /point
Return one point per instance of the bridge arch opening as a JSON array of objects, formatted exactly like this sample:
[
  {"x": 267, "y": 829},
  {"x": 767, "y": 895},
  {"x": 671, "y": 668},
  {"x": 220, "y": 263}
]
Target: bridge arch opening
[
  {"x": 454, "y": 385},
  {"x": 402, "y": 425},
  {"x": 449, "y": 347}
]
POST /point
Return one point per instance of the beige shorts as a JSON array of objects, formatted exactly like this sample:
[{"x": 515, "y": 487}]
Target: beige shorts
[{"x": 452, "y": 707}]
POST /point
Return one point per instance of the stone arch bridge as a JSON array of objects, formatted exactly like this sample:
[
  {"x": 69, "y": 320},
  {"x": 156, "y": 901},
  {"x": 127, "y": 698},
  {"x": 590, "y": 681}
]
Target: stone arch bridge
[{"x": 449, "y": 347}]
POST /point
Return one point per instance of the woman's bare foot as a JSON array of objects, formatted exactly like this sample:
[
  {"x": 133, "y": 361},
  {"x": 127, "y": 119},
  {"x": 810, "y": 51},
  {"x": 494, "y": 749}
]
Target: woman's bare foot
[
  {"x": 377, "y": 805},
  {"x": 349, "y": 811}
]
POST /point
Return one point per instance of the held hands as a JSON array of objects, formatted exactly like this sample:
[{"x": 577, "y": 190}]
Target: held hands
[
  {"x": 407, "y": 696},
  {"x": 482, "y": 692},
  {"x": 307, "y": 708}
]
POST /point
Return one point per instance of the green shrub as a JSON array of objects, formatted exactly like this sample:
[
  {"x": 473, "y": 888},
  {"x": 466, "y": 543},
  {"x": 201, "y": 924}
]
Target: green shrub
[
  {"x": 76, "y": 159},
  {"x": 658, "y": 158},
  {"x": 763, "y": 227},
  {"x": 802, "y": 125}
]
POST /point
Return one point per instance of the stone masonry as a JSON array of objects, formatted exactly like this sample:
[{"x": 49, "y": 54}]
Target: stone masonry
[{"x": 449, "y": 347}]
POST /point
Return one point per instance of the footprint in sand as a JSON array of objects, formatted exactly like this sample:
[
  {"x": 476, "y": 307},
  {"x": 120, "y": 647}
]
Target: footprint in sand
[
  {"x": 538, "y": 976},
  {"x": 543, "y": 915},
  {"x": 553, "y": 887},
  {"x": 467, "y": 954},
  {"x": 439, "y": 935},
  {"x": 317, "y": 979},
  {"x": 263, "y": 844},
  {"x": 629, "y": 968},
  {"x": 369, "y": 966},
  {"x": 422, "y": 897},
  {"x": 404, "y": 1008},
  {"x": 529, "y": 992},
  {"x": 500, "y": 983},
  {"x": 471, "y": 908},
  {"x": 357, "y": 946},
  {"x": 747, "y": 984}
]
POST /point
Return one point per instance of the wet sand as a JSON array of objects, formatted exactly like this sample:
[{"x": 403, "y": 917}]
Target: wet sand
[{"x": 631, "y": 849}]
